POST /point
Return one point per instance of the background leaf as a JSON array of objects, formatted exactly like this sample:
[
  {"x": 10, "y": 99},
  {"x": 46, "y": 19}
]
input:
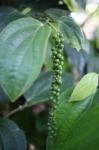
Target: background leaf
[
  {"x": 93, "y": 64},
  {"x": 40, "y": 91},
  {"x": 12, "y": 138},
  {"x": 96, "y": 98},
  {"x": 87, "y": 86},
  {"x": 73, "y": 35},
  {"x": 66, "y": 115},
  {"x": 22, "y": 53},
  {"x": 77, "y": 59},
  {"x": 8, "y": 14},
  {"x": 3, "y": 97},
  {"x": 84, "y": 134}
]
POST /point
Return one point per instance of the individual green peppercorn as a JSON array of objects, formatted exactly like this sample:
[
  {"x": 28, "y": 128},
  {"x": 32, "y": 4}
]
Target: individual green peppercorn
[
  {"x": 55, "y": 53},
  {"x": 53, "y": 57},
  {"x": 55, "y": 37},
  {"x": 57, "y": 61},
  {"x": 62, "y": 63},
  {"x": 60, "y": 67},
  {"x": 60, "y": 47},
  {"x": 58, "y": 71},
  {"x": 59, "y": 55},
  {"x": 54, "y": 100},
  {"x": 61, "y": 58},
  {"x": 57, "y": 41}
]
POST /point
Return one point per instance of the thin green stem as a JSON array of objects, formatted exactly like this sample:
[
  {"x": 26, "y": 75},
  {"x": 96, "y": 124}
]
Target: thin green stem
[
  {"x": 53, "y": 27},
  {"x": 19, "y": 108}
]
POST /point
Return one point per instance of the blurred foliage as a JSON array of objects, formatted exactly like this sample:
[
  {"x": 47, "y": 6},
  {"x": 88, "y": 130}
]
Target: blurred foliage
[{"x": 33, "y": 120}]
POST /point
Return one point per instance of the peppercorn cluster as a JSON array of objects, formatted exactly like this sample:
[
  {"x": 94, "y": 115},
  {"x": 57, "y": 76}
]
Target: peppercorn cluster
[{"x": 57, "y": 58}]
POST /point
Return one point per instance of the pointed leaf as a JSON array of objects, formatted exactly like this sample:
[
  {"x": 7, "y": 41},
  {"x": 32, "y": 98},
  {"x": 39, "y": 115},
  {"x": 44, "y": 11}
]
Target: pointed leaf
[
  {"x": 84, "y": 135},
  {"x": 73, "y": 35},
  {"x": 12, "y": 138},
  {"x": 86, "y": 87},
  {"x": 40, "y": 91},
  {"x": 23, "y": 45},
  {"x": 77, "y": 59},
  {"x": 96, "y": 98},
  {"x": 8, "y": 14},
  {"x": 65, "y": 116}
]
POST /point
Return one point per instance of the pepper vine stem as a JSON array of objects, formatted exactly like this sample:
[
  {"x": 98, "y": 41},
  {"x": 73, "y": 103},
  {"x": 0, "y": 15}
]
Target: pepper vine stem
[
  {"x": 53, "y": 27},
  {"x": 18, "y": 109}
]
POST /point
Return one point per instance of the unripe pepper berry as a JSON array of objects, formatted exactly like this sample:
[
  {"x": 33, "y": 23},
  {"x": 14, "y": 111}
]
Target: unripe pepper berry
[{"x": 57, "y": 79}]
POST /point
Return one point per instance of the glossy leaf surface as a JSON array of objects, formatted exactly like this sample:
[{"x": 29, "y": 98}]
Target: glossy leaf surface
[
  {"x": 40, "y": 91},
  {"x": 66, "y": 115},
  {"x": 8, "y": 14},
  {"x": 23, "y": 45},
  {"x": 84, "y": 135},
  {"x": 87, "y": 86},
  {"x": 73, "y": 35},
  {"x": 12, "y": 138}
]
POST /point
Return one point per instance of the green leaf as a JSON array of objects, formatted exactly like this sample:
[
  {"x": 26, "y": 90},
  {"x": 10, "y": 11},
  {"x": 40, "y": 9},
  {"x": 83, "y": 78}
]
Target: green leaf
[
  {"x": 23, "y": 45},
  {"x": 8, "y": 14},
  {"x": 40, "y": 91},
  {"x": 97, "y": 38},
  {"x": 93, "y": 64},
  {"x": 96, "y": 98},
  {"x": 12, "y": 138},
  {"x": 73, "y": 35},
  {"x": 3, "y": 97},
  {"x": 48, "y": 60},
  {"x": 4, "y": 11},
  {"x": 65, "y": 116},
  {"x": 86, "y": 87},
  {"x": 56, "y": 13},
  {"x": 77, "y": 59},
  {"x": 84, "y": 135}
]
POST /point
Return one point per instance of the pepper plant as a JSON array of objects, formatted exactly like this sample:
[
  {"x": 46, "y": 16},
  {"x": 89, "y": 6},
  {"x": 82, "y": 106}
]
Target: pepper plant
[{"x": 26, "y": 42}]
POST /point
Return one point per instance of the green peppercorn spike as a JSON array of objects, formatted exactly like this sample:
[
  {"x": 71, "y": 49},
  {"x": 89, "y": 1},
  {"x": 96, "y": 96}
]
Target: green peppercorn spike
[{"x": 56, "y": 80}]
